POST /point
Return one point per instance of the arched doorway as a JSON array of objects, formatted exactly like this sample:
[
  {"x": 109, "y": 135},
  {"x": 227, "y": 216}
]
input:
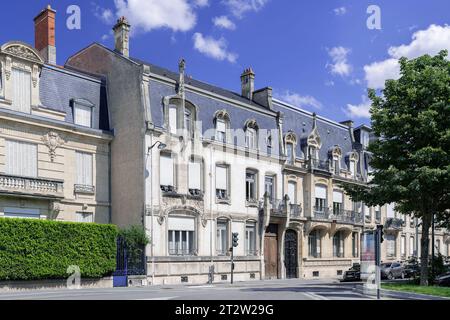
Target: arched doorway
[{"x": 291, "y": 254}]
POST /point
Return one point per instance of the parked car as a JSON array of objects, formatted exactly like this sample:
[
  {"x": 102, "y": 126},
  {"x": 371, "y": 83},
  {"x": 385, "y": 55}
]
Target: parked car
[
  {"x": 353, "y": 274},
  {"x": 411, "y": 270},
  {"x": 392, "y": 270},
  {"x": 443, "y": 280}
]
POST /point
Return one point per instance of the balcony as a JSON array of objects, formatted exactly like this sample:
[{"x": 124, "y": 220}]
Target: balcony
[
  {"x": 319, "y": 165},
  {"x": 32, "y": 187},
  {"x": 348, "y": 216},
  {"x": 321, "y": 213},
  {"x": 296, "y": 211},
  {"x": 393, "y": 224},
  {"x": 278, "y": 208}
]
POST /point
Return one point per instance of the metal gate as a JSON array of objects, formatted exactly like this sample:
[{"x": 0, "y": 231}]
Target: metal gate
[
  {"x": 290, "y": 254},
  {"x": 130, "y": 261}
]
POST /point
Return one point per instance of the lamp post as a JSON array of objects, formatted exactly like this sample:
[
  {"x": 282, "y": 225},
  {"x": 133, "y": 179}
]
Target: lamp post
[{"x": 161, "y": 146}]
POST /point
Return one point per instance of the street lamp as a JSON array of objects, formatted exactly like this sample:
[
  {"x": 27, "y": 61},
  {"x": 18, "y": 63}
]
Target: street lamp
[{"x": 161, "y": 146}]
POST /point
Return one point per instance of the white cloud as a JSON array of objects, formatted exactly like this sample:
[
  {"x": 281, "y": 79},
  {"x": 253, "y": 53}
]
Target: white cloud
[
  {"x": 201, "y": 3},
  {"x": 213, "y": 48},
  {"x": 299, "y": 100},
  {"x": 340, "y": 11},
  {"x": 361, "y": 110},
  {"x": 147, "y": 15},
  {"x": 240, "y": 7},
  {"x": 103, "y": 14},
  {"x": 429, "y": 41},
  {"x": 340, "y": 65},
  {"x": 224, "y": 22}
]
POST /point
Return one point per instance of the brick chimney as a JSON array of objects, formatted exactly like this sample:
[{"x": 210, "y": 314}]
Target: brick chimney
[
  {"x": 248, "y": 83},
  {"x": 122, "y": 36},
  {"x": 44, "y": 36}
]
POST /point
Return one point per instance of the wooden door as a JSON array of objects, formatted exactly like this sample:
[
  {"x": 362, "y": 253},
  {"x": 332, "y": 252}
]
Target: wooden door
[{"x": 271, "y": 252}]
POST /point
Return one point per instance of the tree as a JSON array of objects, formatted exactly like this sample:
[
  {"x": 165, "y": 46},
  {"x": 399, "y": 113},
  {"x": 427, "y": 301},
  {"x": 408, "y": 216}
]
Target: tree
[{"x": 411, "y": 157}]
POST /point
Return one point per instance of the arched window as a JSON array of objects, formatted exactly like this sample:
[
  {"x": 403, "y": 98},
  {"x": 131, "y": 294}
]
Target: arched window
[
  {"x": 177, "y": 121},
  {"x": 290, "y": 140},
  {"x": 335, "y": 155},
  {"x": 352, "y": 161},
  {"x": 182, "y": 235},
  {"x": 251, "y": 134},
  {"x": 222, "y": 125}
]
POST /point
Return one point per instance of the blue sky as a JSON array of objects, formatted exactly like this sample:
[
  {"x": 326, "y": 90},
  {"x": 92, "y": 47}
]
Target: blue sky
[{"x": 317, "y": 55}]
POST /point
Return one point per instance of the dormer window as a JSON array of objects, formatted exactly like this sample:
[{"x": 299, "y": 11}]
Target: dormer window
[
  {"x": 290, "y": 153},
  {"x": 82, "y": 113},
  {"x": 251, "y": 135},
  {"x": 365, "y": 139},
  {"x": 335, "y": 155},
  {"x": 352, "y": 159},
  {"x": 290, "y": 140},
  {"x": 222, "y": 124}
]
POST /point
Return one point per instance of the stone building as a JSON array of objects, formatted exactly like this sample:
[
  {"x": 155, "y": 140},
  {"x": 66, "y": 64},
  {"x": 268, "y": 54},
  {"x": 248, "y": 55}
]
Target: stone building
[
  {"x": 54, "y": 142},
  {"x": 112, "y": 138}
]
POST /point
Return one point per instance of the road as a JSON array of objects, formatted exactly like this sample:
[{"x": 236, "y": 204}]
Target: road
[{"x": 256, "y": 290}]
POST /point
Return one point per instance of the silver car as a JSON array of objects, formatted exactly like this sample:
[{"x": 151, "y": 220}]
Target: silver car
[{"x": 392, "y": 270}]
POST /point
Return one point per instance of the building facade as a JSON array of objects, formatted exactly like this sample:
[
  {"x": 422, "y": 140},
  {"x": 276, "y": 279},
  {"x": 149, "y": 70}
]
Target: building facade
[
  {"x": 109, "y": 138},
  {"x": 54, "y": 155}
]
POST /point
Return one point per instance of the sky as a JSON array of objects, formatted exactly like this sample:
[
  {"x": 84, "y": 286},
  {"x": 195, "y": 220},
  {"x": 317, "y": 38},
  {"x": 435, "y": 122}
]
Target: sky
[{"x": 320, "y": 56}]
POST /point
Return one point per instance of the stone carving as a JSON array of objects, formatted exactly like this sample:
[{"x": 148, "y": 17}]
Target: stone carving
[
  {"x": 182, "y": 68},
  {"x": 53, "y": 210},
  {"x": 53, "y": 141},
  {"x": 22, "y": 52}
]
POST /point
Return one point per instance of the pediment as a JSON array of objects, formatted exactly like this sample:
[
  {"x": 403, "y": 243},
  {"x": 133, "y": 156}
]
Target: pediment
[{"x": 21, "y": 50}]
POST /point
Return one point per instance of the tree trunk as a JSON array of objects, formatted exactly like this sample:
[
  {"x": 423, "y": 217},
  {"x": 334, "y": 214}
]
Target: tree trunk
[{"x": 424, "y": 245}]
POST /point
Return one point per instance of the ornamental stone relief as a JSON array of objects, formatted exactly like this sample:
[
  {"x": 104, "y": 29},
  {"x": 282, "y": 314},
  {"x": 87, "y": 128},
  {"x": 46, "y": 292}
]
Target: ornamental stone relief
[
  {"x": 22, "y": 52},
  {"x": 53, "y": 141}
]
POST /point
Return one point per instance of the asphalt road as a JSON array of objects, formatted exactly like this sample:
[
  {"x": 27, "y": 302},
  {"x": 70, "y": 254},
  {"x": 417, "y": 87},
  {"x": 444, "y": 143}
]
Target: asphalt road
[{"x": 256, "y": 290}]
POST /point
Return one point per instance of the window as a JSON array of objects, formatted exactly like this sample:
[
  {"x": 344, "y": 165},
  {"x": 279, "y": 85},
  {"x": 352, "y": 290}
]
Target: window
[
  {"x": 365, "y": 138},
  {"x": 195, "y": 178},
  {"x": 290, "y": 153},
  {"x": 292, "y": 192},
  {"x": 336, "y": 165},
  {"x": 222, "y": 192},
  {"x": 221, "y": 133},
  {"x": 338, "y": 245},
  {"x": 250, "y": 138},
  {"x": 352, "y": 167},
  {"x": 22, "y": 213},
  {"x": 321, "y": 198},
  {"x": 21, "y": 100},
  {"x": 403, "y": 246},
  {"x": 338, "y": 198},
  {"x": 188, "y": 123},
  {"x": 173, "y": 115},
  {"x": 270, "y": 187},
  {"x": 181, "y": 236},
  {"x": 269, "y": 145},
  {"x": 83, "y": 217},
  {"x": 412, "y": 245},
  {"x": 314, "y": 244},
  {"x": 355, "y": 251},
  {"x": 390, "y": 245},
  {"x": 378, "y": 214},
  {"x": 367, "y": 214},
  {"x": 250, "y": 186},
  {"x": 21, "y": 159},
  {"x": 84, "y": 169},
  {"x": 167, "y": 175},
  {"x": 250, "y": 239},
  {"x": 313, "y": 153},
  {"x": 357, "y": 206},
  {"x": 438, "y": 246},
  {"x": 82, "y": 115},
  {"x": 222, "y": 237},
  {"x": 390, "y": 210}
]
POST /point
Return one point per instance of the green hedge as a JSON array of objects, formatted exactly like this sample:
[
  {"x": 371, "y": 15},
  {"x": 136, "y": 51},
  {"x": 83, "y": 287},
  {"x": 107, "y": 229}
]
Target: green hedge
[{"x": 38, "y": 249}]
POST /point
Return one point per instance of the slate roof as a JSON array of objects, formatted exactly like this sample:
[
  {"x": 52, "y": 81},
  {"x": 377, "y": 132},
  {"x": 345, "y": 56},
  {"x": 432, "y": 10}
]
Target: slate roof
[{"x": 58, "y": 87}]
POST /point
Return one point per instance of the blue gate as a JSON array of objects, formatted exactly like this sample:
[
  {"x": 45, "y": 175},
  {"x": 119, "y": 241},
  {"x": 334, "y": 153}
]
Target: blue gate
[{"x": 120, "y": 276}]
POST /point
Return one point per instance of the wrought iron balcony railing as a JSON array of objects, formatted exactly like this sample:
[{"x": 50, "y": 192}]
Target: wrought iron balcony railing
[
  {"x": 393, "y": 224},
  {"x": 278, "y": 207},
  {"x": 321, "y": 213},
  {"x": 319, "y": 164},
  {"x": 31, "y": 186},
  {"x": 348, "y": 216},
  {"x": 296, "y": 211}
]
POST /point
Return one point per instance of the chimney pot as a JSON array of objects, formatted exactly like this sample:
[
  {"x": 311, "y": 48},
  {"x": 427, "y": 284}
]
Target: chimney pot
[
  {"x": 44, "y": 35},
  {"x": 122, "y": 36}
]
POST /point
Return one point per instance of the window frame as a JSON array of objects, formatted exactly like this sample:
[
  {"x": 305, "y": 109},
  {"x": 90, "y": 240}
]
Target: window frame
[
  {"x": 253, "y": 197},
  {"x": 78, "y": 104}
]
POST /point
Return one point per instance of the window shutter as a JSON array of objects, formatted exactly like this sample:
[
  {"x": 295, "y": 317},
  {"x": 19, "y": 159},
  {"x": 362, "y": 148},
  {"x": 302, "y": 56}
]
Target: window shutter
[
  {"x": 321, "y": 192},
  {"x": 221, "y": 125},
  {"x": 21, "y": 90},
  {"x": 338, "y": 197},
  {"x": 166, "y": 170},
  {"x": 194, "y": 175},
  {"x": 173, "y": 119},
  {"x": 181, "y": 224},
  {"x": 221, "y": 178},
  {"x": 84, "y": 169},
  {"x": 390, "y": 210},
  {"x": 21, "y": 159},
  {"x": 83, "y": 115}
]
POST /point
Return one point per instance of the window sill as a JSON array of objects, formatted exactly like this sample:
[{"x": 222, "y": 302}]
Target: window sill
[
  {"x": 251, "y": 203},
  {"x": 223, "y": 201}
]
